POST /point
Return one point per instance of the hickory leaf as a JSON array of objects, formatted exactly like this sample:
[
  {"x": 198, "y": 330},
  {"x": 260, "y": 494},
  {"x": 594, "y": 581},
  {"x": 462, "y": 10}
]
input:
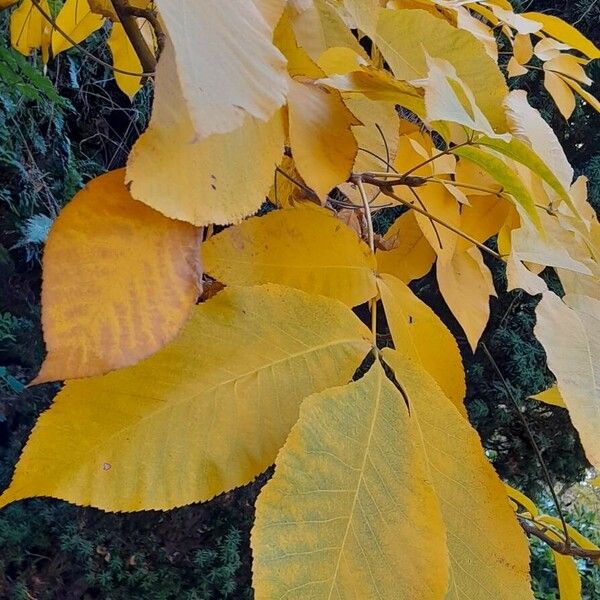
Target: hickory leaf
[
  {"x": 489, "y": 559},
  {"x": 349, "y": 494},
  {"x": 205, "y": 414},
  {"x": 286, "y": 247},
  {"x": 120, "y": 280}
]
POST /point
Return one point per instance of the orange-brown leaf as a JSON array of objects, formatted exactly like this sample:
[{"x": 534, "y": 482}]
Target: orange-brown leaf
[{"x": 120, "y": 280}]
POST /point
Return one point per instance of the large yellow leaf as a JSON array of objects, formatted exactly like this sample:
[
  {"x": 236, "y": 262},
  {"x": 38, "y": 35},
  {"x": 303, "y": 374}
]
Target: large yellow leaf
[
  {"x": 205, "y": 414},
  {"x": 28, "y": 26},
  {"x": 482, "y": 218},
  {"x": 227, "y": 64},
  {"x": 400, "y": 37},
  {"x": 411, "y": 256},
  {"x": 489, "y": 557},
  {"x": 350, "y": 512},
  {"x": 570, "y": 335},
  {"x": 321, "y": 138},
  {"x": 561, "y": 93},
  {"x": 419, "y": 334},
  {"x": 219, "y": 179},
  {"x": 306, "y": 248},
  {"x": 564, "y": 32},
  {"x": 466, "y": 285},
  {"x": 78, "y": 21},
  {"x": 120, "y": 280}
]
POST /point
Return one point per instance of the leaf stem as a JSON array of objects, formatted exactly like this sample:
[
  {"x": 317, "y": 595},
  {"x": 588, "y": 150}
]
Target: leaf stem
[
  {"x": 469, "y": 186},
  {"x": 371, "y": 238}
]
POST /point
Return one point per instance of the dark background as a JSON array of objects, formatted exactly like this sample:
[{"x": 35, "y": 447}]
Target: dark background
[{"x": 61, "y": 128}]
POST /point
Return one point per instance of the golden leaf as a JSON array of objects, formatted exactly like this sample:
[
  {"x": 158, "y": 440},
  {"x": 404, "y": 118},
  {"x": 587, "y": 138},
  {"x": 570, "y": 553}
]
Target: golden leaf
[
  {"x": 350, "y": 512},
  {"x": 120, "y": 280},
  {"x": 205, "y": 414},
  {"x": 78, "y": 21}
]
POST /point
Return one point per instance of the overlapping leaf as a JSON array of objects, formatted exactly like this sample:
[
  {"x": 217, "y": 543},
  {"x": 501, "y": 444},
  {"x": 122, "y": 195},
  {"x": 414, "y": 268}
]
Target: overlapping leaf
[
  {"x": 219, "y": 179},
  {"x": 205, "y": 414},
  {"x": 120, "y": 280},
  {"x": 350, "y": 511},
  {"x": 488, "y": 555},
  {"x": 287, "y": 247}
]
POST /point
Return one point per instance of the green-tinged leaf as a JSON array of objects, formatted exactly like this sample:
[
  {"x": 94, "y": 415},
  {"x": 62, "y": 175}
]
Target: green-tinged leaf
[
  {"x": 350, "y": 512},
  {"x": 306, "y": 248},
  {"x": 205, "y": 414},
  {"x": 489, "y": 557},
  {"x": 505, "y": 176},
  {"x": 522, "y": 153}
]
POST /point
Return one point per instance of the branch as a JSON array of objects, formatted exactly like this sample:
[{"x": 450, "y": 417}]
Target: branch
[
  {"x": 73, "y": 43},
  {"x": 150, "y": 16},
  {"x": 387, "y": 190},
  {"x": 556, "y": 545},
  {"x": 135, "y": 36}
]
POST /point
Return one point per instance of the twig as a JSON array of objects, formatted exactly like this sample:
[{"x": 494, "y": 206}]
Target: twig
[
  {"x": 388, "y": 192},
  {"x": 371, "y": 235},
  {"x": 71, "y": 41},
  {"x": 435, "y": 157},
  {"x": 437, "y": 233},
  {"x": 311, "y": 193},
  {"x": 134, "y": 34},
  {"x": 565, "y": 548},
  {"x": 150, "y": 16},
  {"x": 536, "y": 448}
]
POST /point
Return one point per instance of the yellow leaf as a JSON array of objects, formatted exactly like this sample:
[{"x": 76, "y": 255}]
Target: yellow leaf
[
  {"x": 569, "y": 581},
  {"x": 561, "y": 93},
  {"x": 550, "y": 396},
  {"x": 228, "y": 67},
  {"x": 205, "y": 414},
  {"x": 505, "y": 176},
  {"x": 564, "y": 32},
  {"x": 126, "y": 59},
  {"x": 412, "y": 257},
  {"x": 570, "y": 335},
  {"x": 350, "y": 512},
  {"x": 7, "y": 3},
  {"x": 420, "y": 335},
  {"x": 489, "y": 558},
  {"x": 438, "y": 201},
  {"x": 591, "y": 100},
  {"x": 78, "y": 21},
  {"x": 518, "y": 22},
  {"x": 514, "y": 69},
  {"x": 306, "y": 248},
  {"x": 27, "y": 26},
  {"x": 482, "y": 219},
  {"x": 466, "y": 286},
  {"x": 522, "y": 48},
  {"x": 566, "y": 64},
  {"x": 285, "y": 192},
  {"x": 318, "y": 26},
  {"x": 120, "y": 280},
  {"x": 219, "y": 179},
  {"x": 522, "y": 499},
  {"x": 321, "y": 138},
  {"x": 400, "y": 38},
  {"x": 377, "y": 139}
]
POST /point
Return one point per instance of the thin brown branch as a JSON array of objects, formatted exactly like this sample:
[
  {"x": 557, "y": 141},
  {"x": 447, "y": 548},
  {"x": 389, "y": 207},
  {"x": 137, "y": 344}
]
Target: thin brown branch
[
  {"x": 73, "y": 43},
  {"x": 152, "y": 18},
  {"x": 556, "y": 545},
  {"x": 422, "y": 204},
  {"x": 386, "y": 190},
  {"x": 132, "y": 30},
  {"x": 534, "y": 444}
]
